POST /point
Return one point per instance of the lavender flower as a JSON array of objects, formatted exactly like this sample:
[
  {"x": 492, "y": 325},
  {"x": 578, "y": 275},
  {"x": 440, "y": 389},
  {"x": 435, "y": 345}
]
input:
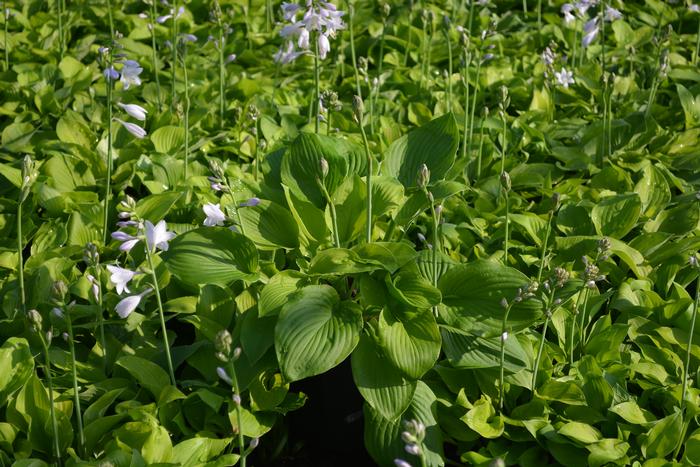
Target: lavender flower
[
  {"x": 133, "y": 128},
  {"x": 135, "y": 111},
  {"x": 590, "y": 31},
  {"x": 215, "y": 216},
  {"x": 564, "y": 77},
  {"x": 130, "y": 73},
  {"x": 322, "y": 18}
]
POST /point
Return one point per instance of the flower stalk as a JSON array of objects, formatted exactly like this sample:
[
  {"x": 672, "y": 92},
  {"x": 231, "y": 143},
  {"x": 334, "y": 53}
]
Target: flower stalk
[
  {"x": 74, "y": 374},
  {"x": 161, "y": 313},
  {"x": 110, "y": 163},
  {"x": 154, "y": 52},
  {"x": 358, "y": 110}
]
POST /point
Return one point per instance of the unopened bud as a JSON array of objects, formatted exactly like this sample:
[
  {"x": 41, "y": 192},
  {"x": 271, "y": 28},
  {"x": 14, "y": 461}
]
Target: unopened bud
[
  {"x": 556, "y": 201},
  {"x": 58, "y": 292},
  {"x": 236, "y": 353},
  {"x": 504, "y": 336},
  {"x": 413, "y": 449},
  {"x": 401, "y": 463},
  {"x": 224, "y": 376},
  {"x": 323, "y": 165},
  {"x": 35, "y": 319},
  {"x": 505, "y": 181},
  {"x": 504, "y": 302},
  {"x": 358, "y": 108},
  {"x": 236, "y": 399},
  {"x": 423, "y": 176},
  {"x": 254, "y": 443},
  {"x": 223, "y": 342}
]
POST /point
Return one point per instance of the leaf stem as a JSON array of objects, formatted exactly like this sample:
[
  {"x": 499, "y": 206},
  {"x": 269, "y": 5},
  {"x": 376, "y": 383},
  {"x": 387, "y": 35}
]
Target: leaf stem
[
  {"x": 331, "y": 207},
  {"x": 449, "y": 70},
  {"x": 547, "y": 232},
  {"x": 61, "y": 38},
  {"x": 173, "y": 44},
  {"x": 187, "y": 110},
  {"x": 317, "y": 87},
  {"x": 164, "y": 330},
  {"x": 20, "y": 256},
  {"x": 6, "y": 14},
  {"x": 110, "y": 163},
  {"x": 351, "y": 15}
]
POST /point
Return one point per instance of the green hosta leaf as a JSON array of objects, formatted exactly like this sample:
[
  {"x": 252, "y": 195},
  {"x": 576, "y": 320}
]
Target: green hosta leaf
[
  {"x": 566, "y": 392},
  {"x": 466, "y": 350},
  {"x": 254, "y": 424},
  {"x": 310, "y": 219},
  {"x": 267, "y": 391},
  {"x": 16, "y": 366},
  {"x": 212, "y": 255},
  {"x": 156, "y": 207},
  {"x": 433, "y": 144},
  {"x": 631, "y": 412},
  {"x": 615, "y": 216},
  {"x": 378, "y": 380},
  {"x": 16, "y": 137},
  {"x": 148, "y": 374},
  {"x": 389, "y": 255},
  {"x": 608, "y": 451},
  {"x": 350, "y": 200},
  {"x": 663, "y": 437},
  {"x": 148, "y": 438},
  {"x": 270, "y": 226},
  {"x": 412, "y": 289},
  {"x": 335, "y": 261},
  {"x": 195, "y": 451},
  {"x": 279, "y": 287},
  {"x": 581, "y": 432},
  {"x": 472, "y": 294},
  {"x": 168, "y": 139},
  {"x": 653, "y": 191},
  {"x": 482, "y": 419},
  {"x": 98, "y": 408},
  {"x": 387, "y": 195},
  {"x": 691, "y": 453},
  {"x": 411, "y": 340},
  {"x": 383, "y": 437},
  {"x": 691, "y": 106},
  {"x": 315, "y": 332},
  {"x": 72, "y": 128},
  {"x": 301, "y": 167}
]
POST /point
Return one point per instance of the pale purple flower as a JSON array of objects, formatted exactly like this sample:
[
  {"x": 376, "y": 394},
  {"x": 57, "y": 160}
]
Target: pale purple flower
[
  {"x": 231, "y": 58},
  {"x": 120, "y": 278},
  {"x": 164, "y": 18},
  {"x": 111, "y": 74},
  {"x": 224, "y": 375},
  {"x": 135, "y": 111},
  {"x": 158, "y": 236},
  {"x": 95, "y": 287},
  {"x": 284, "y": 57},
  {"x": 303, "y": 41},
  {"x": 250, "y": 203},
  {"x": 57, "y": 312},
  {"x": 590, "y": 31},
  {"x": 324, "y": 46},
  {"x": 289, "y": 11},
  {"x": 694, "y": 8},
  {"x": 133, "y": 128},
  {"x": 128, "y": 304},
  {"x": 130, "y": 73},
  {"x": 215, "y": 216},
  {"x": 188, "y": 38},
  {"x": 548, "y": 57},
  {"x": 128, "y": 240},
  {"x": 401, "y": 463},
  {"x": 612, "y": 14},
  {"x": 564, "y": 77}
]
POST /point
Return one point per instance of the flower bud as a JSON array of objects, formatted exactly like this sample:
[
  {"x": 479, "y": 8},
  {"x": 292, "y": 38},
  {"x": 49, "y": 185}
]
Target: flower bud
[
  {"x": 504, "y": 302},
  {"x": 556, "y": 201},
  {"x": 35, "y": 319},
  {"x": 407, "y": 437},
  {"x": 57, "y": 313},
  {"x": 254, "y": 443},
  {"x": 58, "y": 292},
  {"x": 423, "y": 176},
  {"x": 413, "y": 449},
  {"x": 236, "y": 353},
  {"x": 358, "y": 108},
  {"x": 504, "y": 336},
  {"x": 223, "y": 342},
  {"x": 236, "y": 399},
  {"x": 401, "y": 463},
  {"x": 505, "y": 181},
  {"x": 323, "y": 165}
]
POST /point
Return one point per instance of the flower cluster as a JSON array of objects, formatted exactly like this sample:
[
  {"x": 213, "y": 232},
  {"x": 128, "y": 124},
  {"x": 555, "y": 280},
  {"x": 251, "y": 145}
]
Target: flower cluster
[
  {"x": 413, "y": 436},
  {"x": 591, "y": 28},
  {"x": 128, "y": 75},
  {"x": 321, "y": 20}
]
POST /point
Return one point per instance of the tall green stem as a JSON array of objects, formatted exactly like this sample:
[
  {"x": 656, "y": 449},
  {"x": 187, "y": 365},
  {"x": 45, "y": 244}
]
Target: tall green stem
[
  {"x": 334, "y": 216},
  {"x": 481, "y": 144},
  {"x": 582, "y": 292},
  {"x": 449, "y": 71},
  {"x": 501, "y": 389},
  {"x": 686, "y": 368},
  {"x": 164, "y": 330},
  {"x": 466, "y": 102},
  {"x": 154, "y": 54},
  {"x": 507, "y": 232},
  {"x": 236, "y": 392},
  {"x": 187, "y": 110},
  {"x": 52, "y": 410},
  {"x": 547, "y": 231},
  {"x": 351, "y": 15},
  {"x": 6, "y": 15},
  {"x": 173, "y": 45},
  {"x": 61, "y": 38},
  {"x": 317, "y": 87},
  {"x": 76, "y": 397},
  {"x": 20, "y": 257},
  {"x": 473, "y": 109},
  {"x": 695, "y": 56},
  {"x": 222, "y": 74},
  {"x": 540, "y": 349},
  {"x": 368, "y": 155},
  {"x": 110, "y": 163}
]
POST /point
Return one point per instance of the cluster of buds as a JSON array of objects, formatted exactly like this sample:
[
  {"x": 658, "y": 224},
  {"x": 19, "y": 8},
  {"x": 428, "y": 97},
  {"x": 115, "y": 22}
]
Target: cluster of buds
[
  {"x": 91, "y": 256},
  {"x": 329, "y": 102},
  {"x": 358, "y": 108},
  {"x": 591, "y": 273},
  {"x": 557, "y": 280},
  {"x": 504, "y": 101},
  {"x": 505, "y": 181},
  {"x": 693, "y": 261},
  {"x": 223, "y": 343},
  {"x": 127, "y": 210},
  {"x": 423, "y": 176},
  {"x": 218, "y": 178},
  {"x": 363, "y": 68},
  {"x": 412, "y": 436},
  {"x": 29, "y": 175}
]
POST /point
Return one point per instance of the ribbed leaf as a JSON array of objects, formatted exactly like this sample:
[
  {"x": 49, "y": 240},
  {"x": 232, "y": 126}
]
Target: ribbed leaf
[
  {"x": 168, "y": 139},
  {"x": 472, "y": 294},
  {"x": 615, "y": 216},
  {"x": 269, "y": 225},
  {"x": 411, "y": 341},
  {"x": 279, "y": 287},
  {"x": 383, "y": 437},
  {"x": 378, "y": 380},
  {"x": 466, "y": 350},
  {"x": 434, "y": 144},
  {"x": 211, "y": 255},
  {"x": 315, "y": 332}
]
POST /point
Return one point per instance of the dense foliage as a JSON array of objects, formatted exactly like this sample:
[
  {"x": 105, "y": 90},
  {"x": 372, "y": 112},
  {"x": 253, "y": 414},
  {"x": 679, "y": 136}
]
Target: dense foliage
[{"x": 490, "y": 209}]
